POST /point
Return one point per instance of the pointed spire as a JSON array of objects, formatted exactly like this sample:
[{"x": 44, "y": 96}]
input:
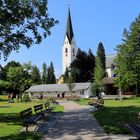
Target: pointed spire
[{"x": 69, "y": 30}]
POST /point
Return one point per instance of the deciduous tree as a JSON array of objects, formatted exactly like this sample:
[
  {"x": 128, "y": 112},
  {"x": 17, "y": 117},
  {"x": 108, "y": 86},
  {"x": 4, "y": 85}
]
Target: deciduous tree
[{"x": 23, "y": 23}]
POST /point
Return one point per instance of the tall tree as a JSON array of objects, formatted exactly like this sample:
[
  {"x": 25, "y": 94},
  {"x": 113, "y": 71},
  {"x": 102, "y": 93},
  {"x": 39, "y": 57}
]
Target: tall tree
[
  {"x": 102, "y": 57},
  {"x": 51, "y": 75},
  {"x": 23, "y": 23},
  {"x": 98, "y": 76},
  {"x": 35, "y": 75},
  {"x": 82, "y": 66},
  {"x": 70, "y": 84},
  {"x": 66, "y": 75},
  {"x": 128, "y": 58},
  {"x": 44, "y": 73},
  {"x": 7, "y": 66},
  {"x": 91, "y": 64}
]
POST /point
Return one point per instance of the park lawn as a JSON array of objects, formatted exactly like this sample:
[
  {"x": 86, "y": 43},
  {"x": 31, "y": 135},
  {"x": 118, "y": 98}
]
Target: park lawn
[
  {"x": 118, "y": 113},
  {"x": 10, "y": 123},
  {"x": 82, "y": 101}
]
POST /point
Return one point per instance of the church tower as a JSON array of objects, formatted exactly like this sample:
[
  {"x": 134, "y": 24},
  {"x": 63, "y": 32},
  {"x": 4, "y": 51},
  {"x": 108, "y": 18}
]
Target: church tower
[{"x": 69, "y": 47}]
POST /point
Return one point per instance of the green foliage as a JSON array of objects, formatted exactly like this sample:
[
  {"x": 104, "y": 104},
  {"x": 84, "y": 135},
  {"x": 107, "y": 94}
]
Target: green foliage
[
  {"x": 66, "y": 75},
  {"x": 82, "y": 66},
  {"x": 102, "y": 57},
  {"x": 70, "y": 83},
  {"x": 128, "y": 58},
  {"x": 98, "y": 76},
  {"x": 82, "y": 101},
  {"x": 25, "y": 97},
  {"x": 25, "y": 23},
  {"x": 51, "y": 75},
  {"x": 35, "y": 75},
  {"x": 44, "y": 73}
]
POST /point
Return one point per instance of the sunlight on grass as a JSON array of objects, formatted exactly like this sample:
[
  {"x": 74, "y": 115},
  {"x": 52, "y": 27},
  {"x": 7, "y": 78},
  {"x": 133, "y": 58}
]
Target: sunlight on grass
[
  {"x": 10, "y": 123},
  {"x": 118, "y": 113}
]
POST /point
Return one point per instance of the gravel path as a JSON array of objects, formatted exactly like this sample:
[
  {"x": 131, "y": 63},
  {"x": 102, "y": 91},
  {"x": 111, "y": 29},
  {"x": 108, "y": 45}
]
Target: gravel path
[{"x": 76, "y": 123}]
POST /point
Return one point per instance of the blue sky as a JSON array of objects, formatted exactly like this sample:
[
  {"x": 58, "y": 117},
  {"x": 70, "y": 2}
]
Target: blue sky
[{"x": 93, "y": 21}]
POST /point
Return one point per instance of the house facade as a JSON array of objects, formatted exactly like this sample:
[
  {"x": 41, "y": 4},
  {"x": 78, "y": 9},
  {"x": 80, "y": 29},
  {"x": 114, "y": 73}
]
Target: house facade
[{"x": 81, "y": 90}]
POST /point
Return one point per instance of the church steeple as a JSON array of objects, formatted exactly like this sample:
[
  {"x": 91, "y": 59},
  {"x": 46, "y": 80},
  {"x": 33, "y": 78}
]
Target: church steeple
[
  {"x": 69, "y": 30},
  {"x": 69, "y": 47}
]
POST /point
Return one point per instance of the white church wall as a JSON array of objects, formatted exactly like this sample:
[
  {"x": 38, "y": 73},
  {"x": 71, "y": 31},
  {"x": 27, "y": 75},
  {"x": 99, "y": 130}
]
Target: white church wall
[{"x": 109, "y": 72}]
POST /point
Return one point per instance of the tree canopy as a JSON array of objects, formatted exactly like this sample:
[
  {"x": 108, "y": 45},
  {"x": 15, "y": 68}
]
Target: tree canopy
[
  {"x": 102, "y": 57},
  {"x": 82, "y": 67},
  {"x": 128, "y": 58},
  {"x": 23, "y": 23}
]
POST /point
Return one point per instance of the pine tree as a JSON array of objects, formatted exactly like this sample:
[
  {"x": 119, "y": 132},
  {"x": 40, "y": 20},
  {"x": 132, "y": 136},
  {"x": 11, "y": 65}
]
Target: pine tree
[
  {"x": 128, "y": 58},
  {"x": 35, "y": 75},
  {"x": 98, "y": 76},
  {"x": 66, "y": 75},
  {"x": 44, "y": 73},
  {"x": 102, "y": 57},
  {"x": 91, "y": 64},
  {"x": 51, "y": 75},
  {"x": 82, "y": 66}
]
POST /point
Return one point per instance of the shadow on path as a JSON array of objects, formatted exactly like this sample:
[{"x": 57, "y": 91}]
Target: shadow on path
[{"x": 76, "y": 125}]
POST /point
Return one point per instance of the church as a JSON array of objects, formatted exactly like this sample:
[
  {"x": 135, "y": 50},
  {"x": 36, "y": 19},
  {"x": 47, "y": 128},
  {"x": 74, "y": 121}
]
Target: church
[
  {"x": 69, "y": 51},
  {"x": 69, "y": 46}
]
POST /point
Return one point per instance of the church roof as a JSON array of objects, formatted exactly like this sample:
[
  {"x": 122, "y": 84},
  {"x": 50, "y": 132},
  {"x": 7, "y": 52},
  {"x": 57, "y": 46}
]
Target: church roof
[
  {"x": 69, "y": 30},
  {"x": 58, "y": 87}
]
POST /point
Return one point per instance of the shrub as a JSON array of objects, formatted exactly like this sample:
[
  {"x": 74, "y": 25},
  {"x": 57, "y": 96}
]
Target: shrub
[{"x": 26, "y": 97}]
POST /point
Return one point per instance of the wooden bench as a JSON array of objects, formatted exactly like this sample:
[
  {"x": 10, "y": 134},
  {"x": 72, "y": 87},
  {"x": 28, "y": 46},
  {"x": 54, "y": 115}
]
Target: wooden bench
[
  {"x": 41, "y": 110},
  {"x": 48, "y": 108},
  {"x": 93, "y": 102},
  {"x": 100, "y": 104},
  {"x": 28, "y": 118},
  {"x": 38, "y": 109}
]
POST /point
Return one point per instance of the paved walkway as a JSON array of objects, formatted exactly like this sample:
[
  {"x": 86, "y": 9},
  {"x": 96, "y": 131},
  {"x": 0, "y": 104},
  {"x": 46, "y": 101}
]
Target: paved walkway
[{"x": 76, "y": 123}]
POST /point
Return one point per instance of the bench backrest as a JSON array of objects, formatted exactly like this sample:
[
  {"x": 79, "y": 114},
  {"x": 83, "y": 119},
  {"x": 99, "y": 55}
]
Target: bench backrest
[
  {"x": 38, "y": 108},
  {"x": 101, "y": 101},
  {"x": 46, "y": 105},
  {"x": 25, "y": 114}
]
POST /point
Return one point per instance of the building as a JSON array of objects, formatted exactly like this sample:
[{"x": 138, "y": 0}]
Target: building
[
  {"x": 69, "y": 46},
  {"x": 81, "y": 90},
  {"x": 108, "y": 81}
]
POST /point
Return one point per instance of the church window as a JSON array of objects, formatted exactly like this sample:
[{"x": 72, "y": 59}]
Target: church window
[
  {"x": 66, "y": 50},
  {"x": 73, "y": 51}
]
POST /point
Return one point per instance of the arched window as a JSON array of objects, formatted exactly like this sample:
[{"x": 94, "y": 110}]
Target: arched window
[
  {"x": 66, "y": 50},
  {"x": 73, "y": 51}
]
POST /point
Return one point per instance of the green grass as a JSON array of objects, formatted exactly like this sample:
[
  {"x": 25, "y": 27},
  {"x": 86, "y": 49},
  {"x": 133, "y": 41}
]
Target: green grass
[
  {"x": 10, "y": 123},
  {"x": 118, "y": 113},
  {"x": 82, "y": 101}
]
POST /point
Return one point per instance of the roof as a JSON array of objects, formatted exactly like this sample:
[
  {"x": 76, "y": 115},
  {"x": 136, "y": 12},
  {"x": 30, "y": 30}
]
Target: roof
[
  {"x": 108, "y": 80},
  {"x": 69, "y": 30},
  {"x": 110, "y": 60},
  {"x": 57, "y": 87}
]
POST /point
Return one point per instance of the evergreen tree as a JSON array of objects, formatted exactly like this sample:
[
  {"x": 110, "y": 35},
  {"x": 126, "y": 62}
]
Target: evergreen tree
[
  {"x": 91, "y": 64},
  {"x": 44, "y": 73},
  {"x": 35, "y": 75},
  {"x": 128, "y": 58},
  {"x": 51, "y": 75},
  {"x": 24, "y": 22},
  {"x": 66, "y": 75},
  {"x": 82, "y": 66},
  {"x": 98, "y": 76},
  {"x": 102, "y": 57}
]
